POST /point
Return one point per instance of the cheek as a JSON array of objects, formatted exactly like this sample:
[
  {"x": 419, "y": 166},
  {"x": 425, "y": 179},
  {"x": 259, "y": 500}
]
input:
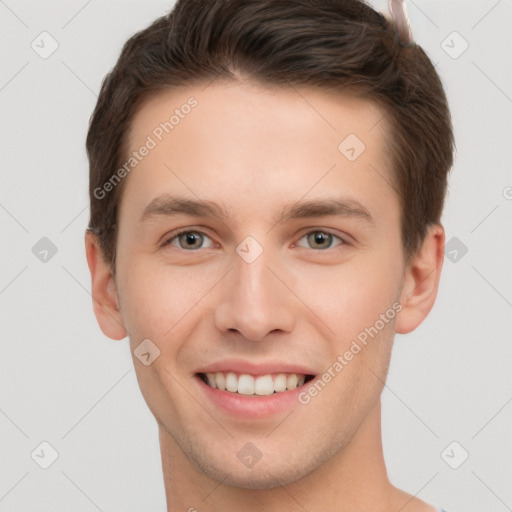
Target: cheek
[
  {"x": 156, "y": 298},
  {"x": 349, "y": 298},
  {"x": 358, "y": 304}
]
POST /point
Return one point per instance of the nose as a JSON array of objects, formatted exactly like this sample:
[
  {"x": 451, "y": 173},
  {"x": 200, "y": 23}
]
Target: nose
[{"x": 255, "y": 299}]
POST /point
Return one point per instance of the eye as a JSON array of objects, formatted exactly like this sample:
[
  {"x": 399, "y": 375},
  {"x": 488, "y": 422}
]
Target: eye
[
  {"x": 188, "y": 240},
  {"x": 322, "y": 238},
  {"x": 193, "y": 240}
]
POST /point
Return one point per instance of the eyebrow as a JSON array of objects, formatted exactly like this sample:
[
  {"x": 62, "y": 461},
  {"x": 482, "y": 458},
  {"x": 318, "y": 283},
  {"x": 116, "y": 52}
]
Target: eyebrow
[{"x": 168, "y": 205}]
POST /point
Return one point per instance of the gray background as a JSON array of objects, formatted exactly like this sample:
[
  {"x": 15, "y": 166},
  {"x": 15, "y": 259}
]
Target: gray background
[{"x": 62, "y": 381}]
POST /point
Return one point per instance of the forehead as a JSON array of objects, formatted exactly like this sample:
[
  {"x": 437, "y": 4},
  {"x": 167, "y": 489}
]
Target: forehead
[
  {"x": 227, "y": 140},
  {"x": 226, "y": 107}
]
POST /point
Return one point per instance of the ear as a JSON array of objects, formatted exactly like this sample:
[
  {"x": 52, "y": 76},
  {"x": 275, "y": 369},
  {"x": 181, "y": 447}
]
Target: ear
[
  {"x": 105, "y": 300},
  {"x": 421, "y": 281}
]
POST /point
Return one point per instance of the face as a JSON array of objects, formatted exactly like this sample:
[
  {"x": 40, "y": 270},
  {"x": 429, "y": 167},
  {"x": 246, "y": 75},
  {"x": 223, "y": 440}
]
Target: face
[{"x": 267, "y": 287}]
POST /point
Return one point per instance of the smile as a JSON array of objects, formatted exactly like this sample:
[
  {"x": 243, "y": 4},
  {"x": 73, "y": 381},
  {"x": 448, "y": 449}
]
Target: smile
[{"x": 261, "y": 385}]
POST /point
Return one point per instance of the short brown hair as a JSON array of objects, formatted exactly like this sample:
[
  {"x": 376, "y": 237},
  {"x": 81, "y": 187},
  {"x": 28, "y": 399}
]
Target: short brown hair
[{"x": 330, "y": 44}]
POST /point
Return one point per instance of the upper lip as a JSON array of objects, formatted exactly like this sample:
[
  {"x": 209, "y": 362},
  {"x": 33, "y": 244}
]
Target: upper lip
[{"x": 240, "y": 366}]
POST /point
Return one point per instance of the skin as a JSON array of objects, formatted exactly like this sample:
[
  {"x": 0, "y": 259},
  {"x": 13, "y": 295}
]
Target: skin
[{"x": 253, "y": 149}]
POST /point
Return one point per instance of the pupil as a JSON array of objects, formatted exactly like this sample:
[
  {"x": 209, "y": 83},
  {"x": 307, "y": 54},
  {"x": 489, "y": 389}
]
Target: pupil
[
  {"x": 321, "y": 238},
  {"x": 190, "y": 238}
]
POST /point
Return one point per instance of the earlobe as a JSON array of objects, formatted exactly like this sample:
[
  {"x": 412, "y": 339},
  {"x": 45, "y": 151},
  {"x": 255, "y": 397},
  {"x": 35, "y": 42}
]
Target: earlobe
[
  {"x": 421, "y": 281},
  {"x": 104, "y": 291}
]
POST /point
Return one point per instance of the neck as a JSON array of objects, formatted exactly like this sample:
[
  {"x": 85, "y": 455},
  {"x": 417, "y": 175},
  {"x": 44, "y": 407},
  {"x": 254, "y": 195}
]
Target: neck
[{"x": 354, "y": 478}]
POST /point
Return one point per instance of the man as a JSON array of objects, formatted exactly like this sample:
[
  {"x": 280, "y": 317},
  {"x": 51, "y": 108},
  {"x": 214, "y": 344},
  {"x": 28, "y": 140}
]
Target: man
[{"x": 267, "y": 179}]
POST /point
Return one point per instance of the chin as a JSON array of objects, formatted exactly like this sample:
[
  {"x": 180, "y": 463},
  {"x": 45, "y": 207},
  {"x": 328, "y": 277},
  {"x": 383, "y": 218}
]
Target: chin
[{"x": 267, "y": 474}]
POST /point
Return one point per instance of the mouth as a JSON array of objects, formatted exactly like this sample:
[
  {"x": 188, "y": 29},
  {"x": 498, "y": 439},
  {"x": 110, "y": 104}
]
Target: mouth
[{"x": 255, "y": 385}]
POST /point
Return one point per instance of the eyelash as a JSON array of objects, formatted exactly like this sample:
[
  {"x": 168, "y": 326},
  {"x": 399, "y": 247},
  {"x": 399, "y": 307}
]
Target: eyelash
[{"x": 169, "y": 241}]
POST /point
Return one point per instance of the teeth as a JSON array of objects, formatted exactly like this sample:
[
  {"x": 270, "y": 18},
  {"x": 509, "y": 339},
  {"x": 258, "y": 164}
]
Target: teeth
[
  {"x": 263, "y": 385},
  {"x": 211, "y": 380},
  {"x": 231, "y": 382},
  {"x": 280, "y": 383},
  {"x": 220, "y": 380},
  {"x": 246, "y": 385},
  {"x": 291, "y": 381}
]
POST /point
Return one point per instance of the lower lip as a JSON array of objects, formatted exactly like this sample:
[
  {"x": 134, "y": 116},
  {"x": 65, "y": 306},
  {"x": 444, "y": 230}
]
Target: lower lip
[{"x": 251, "y": 406}]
